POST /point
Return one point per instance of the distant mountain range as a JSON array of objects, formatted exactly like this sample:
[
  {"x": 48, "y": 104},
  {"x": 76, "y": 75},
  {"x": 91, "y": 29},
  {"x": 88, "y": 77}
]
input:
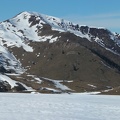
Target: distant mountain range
[{"x": 47, "y": 54}]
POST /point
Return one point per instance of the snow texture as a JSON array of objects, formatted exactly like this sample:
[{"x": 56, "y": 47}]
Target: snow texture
[{"x": 59, "y": 107}]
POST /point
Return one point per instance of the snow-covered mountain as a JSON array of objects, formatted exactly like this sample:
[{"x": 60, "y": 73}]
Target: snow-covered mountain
[
  {"x": 27, "y": 26},
  {"x": 31, "y": 43}
]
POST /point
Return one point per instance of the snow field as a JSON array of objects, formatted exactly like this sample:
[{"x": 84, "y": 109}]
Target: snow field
[{"x": 59, "y": 107}]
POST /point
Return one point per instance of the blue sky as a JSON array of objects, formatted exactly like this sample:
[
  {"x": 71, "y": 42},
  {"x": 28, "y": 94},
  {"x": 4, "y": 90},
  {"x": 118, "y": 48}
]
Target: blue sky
[{"x": 100, "y": 13}]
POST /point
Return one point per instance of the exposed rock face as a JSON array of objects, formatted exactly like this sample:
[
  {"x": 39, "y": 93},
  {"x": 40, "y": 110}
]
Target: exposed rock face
[{"x": 81, "y": 58}]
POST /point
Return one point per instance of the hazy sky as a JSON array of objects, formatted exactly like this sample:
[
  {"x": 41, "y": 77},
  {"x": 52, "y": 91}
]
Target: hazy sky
[{"x": 100, "y": 13}]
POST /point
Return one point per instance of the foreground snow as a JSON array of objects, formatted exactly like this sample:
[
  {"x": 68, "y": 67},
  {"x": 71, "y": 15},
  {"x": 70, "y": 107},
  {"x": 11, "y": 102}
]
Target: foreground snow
[{"x": 59, "y": 107}]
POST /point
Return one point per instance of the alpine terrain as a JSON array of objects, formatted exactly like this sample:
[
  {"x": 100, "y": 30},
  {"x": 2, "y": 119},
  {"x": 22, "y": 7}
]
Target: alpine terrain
[{"x": 51, "y": 55}]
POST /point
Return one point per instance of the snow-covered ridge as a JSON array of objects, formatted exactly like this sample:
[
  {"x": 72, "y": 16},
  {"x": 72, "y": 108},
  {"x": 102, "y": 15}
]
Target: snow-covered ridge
[
  {"x": 62, "y": 25},
  {"x": 24, "y": 27},
  {"x": 19, "y": 30}
]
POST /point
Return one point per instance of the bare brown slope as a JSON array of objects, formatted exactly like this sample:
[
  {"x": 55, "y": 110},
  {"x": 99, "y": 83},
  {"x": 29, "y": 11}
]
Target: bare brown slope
[
  {"x": 69, "y": 61},
  {"x": 71, "y": 58}
]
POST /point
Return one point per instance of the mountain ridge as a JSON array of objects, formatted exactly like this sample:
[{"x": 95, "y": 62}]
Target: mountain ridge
[{"x": 50, "y": 47}]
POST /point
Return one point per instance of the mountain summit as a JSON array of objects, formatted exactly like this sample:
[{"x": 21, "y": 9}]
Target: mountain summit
[{"x": 48, "y": 54}]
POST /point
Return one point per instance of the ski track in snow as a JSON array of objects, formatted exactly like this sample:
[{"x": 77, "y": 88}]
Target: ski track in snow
[{"x": 59, "y": 107}]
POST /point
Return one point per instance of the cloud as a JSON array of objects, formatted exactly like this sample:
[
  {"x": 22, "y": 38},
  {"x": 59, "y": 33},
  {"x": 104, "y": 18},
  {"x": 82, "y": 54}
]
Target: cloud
[{"x": 110, "y": 20}]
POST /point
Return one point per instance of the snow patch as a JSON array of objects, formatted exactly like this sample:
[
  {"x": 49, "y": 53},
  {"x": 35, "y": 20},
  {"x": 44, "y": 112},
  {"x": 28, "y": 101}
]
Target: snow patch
[
  {"x": 58, "y": 84},
  {"x": 9, "y": 80},
  {"x": 92, "y": 86},
  {"x": 53, "y": 40}
]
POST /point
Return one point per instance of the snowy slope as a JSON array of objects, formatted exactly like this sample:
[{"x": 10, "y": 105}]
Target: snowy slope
[
  {"x": 62, "y": 25},
  {"x": 9, "y": 62},
  {"x": 59, "y": 107}
]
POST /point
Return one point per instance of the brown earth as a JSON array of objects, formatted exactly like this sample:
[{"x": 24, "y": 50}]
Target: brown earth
[{"x": 70, "y": 58}]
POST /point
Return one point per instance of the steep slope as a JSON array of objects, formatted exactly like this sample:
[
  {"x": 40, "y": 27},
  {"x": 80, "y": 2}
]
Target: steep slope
[
  {"x": 82, "y": 58},
  {"x": 8, "y": 62}
]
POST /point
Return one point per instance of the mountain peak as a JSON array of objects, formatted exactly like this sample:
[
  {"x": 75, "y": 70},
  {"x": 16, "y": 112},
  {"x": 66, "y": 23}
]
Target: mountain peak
[{"x": 30, "y": 22}]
